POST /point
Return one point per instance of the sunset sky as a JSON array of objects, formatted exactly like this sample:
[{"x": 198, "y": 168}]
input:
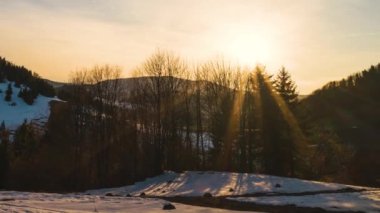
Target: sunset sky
[{"x": 317, "y": 41}]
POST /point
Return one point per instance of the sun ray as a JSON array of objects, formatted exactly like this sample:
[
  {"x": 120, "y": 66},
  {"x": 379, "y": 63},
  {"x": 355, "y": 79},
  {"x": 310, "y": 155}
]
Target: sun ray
[
  {"x": 299, "y": 139},
  {"x": 233, "y": 125}
]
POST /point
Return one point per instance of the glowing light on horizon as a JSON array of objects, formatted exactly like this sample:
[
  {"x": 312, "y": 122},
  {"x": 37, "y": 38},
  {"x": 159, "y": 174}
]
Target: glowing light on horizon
[{"x": 251, "y": 48}]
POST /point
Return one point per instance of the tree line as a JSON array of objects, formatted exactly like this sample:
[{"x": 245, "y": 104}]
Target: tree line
[
  {"x": 343, "y": 120},
  {"x": 215, "y": 116},
  {"x": 31, "y": 84}
]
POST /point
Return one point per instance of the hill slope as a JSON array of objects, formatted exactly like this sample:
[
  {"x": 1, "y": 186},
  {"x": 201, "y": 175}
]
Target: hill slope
[
  {"x": 14, "y": 113},
  {"x": 346, "y": 113}
]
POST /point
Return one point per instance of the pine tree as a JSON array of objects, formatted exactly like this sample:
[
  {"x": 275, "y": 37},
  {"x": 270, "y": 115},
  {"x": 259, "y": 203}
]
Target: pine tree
[
  {"x": 28, "y": 95},
  {"x": 25, "y": 140},
  {"x": 279, "y": 147},
  {"x": 286, "y": 87},
  {"x": 270, "y": 123},
  {"x": 8, "y": 93}
]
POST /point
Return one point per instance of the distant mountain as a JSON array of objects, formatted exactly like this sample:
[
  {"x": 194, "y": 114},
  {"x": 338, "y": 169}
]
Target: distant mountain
[
  {"x": 126, "y": 85},
  {"x": 55, "y": 84}
]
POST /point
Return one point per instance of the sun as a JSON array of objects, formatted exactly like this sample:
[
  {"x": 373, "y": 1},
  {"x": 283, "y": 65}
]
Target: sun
[{"x": 251, "y": 48}]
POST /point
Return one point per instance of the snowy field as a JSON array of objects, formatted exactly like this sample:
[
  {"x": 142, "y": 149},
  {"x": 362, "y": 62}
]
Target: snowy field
[
  {"x": 242, "y": 188},
  {"x": 14, "y": 116},
  {"x": 43, "y": 203}
]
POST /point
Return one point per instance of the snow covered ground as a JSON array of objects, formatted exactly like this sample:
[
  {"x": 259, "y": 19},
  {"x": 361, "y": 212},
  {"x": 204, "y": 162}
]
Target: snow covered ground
[
  {"x": 366, "y": 201},
  {"x": 17, "y": 202},
  {"x": 14, "y": 116},
  {"x": 219, "y": 184},
  {"x": 243, "y": 188}
]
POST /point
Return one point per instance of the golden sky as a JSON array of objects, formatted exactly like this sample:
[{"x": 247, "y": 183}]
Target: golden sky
[{"x": 316, "y": 40}]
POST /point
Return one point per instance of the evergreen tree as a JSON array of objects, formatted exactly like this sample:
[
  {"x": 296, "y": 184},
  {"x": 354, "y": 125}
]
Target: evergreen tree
[
  {"x": 281, "y": 145},
  {"x": 28, "y": 95},
  {"x": 8, "y": 93},
  {"x": 25, "y": 140},
  {"x": 286, "y": 87},
  {"x": 271, "y": 128}
]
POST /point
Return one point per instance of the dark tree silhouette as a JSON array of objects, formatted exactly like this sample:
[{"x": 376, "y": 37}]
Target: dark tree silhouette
[
  {"x": 22, "y": 76},
  {"x": 8, "y": 93},
  {"x": 286, "y": 87}
]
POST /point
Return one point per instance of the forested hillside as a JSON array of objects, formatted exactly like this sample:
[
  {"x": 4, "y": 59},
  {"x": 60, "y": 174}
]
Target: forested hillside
[
  {"x": 343, "y": 120},
  {"x": 31, "y": 83}
]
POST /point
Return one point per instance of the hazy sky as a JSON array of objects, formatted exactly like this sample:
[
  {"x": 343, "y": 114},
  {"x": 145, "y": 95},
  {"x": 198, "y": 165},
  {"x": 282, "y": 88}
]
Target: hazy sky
[{"x": 316, "y": 40}]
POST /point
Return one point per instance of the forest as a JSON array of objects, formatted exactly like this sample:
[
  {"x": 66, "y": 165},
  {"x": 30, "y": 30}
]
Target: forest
[
  {"x": 110, "y": 131},
  {"x": 32, "y": 83}
]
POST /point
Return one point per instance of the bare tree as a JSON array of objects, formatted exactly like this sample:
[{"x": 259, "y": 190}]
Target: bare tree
[
  {"x": 160, "y": 80},
  {"x": 97, "y": 91}
]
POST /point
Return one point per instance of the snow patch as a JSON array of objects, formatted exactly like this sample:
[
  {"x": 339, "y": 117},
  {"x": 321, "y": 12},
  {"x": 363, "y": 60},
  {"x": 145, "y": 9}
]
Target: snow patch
[
  {"x": 14, "y": 116},
  {"x": 193, "y": 183}
]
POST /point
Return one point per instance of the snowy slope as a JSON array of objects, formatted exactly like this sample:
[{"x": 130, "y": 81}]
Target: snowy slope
[
  {"x": 257, "y": 189},
  {"x": 219, "y": 184},
  {"x": 14, "y": 116}
]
